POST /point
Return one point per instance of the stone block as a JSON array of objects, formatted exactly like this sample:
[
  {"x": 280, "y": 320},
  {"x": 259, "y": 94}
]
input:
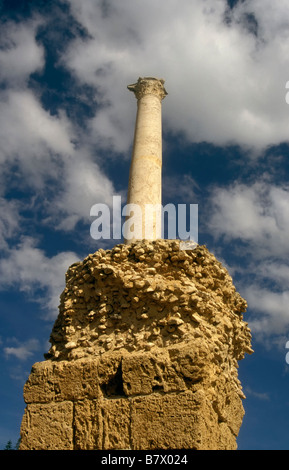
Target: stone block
[
  {"x": 59, "y": 381},
  {"x": 144, "y": 373},
  {"x": 47, "y": 426},
  {"x": 173, "y": 421},
  {"x": 88, "y": 425},
  {"x": 102, "y": 424},
  {"x": 116, "y": 424}
]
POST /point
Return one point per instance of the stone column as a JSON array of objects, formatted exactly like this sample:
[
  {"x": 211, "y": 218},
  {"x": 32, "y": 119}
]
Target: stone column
[{"x": 145, "y": 180}]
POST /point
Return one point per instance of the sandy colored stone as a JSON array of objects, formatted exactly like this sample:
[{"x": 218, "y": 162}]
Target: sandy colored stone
[
  {"x": 168, "y": 303},
  {"x": 88, "y": 429},
  {"x": 116, "y": 424},
  {"x": 173, "y": 421},
  {"x": 61, "y": 381},
  {"x": 47, "y": 426},
  {"x": 102, "y": 424},
  {"x": 144, "y": 373},
  {"x": 144, "y": 355},
  {"x": 145, "y": 179}
]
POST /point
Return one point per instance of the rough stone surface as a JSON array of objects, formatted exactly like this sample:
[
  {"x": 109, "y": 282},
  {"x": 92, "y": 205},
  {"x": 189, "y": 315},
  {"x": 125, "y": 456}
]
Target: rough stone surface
[
  {"x": 48, "y": 426},
  {"x": 144, "y": 355}
]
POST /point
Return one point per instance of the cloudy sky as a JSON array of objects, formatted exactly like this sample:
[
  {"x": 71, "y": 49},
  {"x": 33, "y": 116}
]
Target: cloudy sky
[{"x": 66, "y": 131}]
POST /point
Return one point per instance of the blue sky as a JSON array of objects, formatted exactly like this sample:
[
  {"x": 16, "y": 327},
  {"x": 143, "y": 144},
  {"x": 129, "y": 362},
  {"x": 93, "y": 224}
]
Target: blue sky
[{"x": 66, "y": 131}]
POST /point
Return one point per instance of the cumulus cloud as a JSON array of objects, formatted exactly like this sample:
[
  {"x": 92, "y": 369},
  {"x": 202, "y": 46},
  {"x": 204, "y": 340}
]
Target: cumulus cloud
[
  {"x": 40, "y": 277},
  {"x": 20, "y": 54},
  {"x": 30, "y": 137},
  {"x": 40, "y": 147},
  {"x": 272, "y": 311},
  {"x": 217, "y": 77},
  {"x": 9, "y": 222},
  {"x": 29, "y": 134},
  {"x": 85, "y": 185},
  {"x": 226, "y": 82},
  {"x": 257, "y": 215},
  {"x": 38, "y": 150},
  {"x": 22, "y": 351}
]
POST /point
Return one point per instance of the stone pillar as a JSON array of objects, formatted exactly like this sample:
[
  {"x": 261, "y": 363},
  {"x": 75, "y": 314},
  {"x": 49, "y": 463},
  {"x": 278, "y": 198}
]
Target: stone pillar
[{"x": 145, "y": 180}]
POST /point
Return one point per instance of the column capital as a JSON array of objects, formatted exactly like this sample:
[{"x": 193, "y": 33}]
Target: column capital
[{"x": 148, "y": 86}]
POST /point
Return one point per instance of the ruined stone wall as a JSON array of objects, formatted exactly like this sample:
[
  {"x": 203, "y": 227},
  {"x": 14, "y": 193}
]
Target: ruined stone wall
[{"x": 144, "y": 355}]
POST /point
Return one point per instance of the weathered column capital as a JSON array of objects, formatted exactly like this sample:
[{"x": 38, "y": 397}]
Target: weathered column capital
[{"x": 149, "y": 86}]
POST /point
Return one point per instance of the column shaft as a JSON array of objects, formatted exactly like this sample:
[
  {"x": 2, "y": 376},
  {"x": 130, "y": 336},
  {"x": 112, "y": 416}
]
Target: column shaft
[{"x": 145, "y": 180}]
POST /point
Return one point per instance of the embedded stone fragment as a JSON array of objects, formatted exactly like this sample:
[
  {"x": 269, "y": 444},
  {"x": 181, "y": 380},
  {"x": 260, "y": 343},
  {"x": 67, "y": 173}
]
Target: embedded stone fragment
[{"x": 119, "y": 298}]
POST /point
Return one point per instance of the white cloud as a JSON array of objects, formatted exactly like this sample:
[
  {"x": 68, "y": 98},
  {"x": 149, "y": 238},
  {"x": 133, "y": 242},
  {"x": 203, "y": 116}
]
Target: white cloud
[
  {"x": 257, "y": 214},
  {"x": 272, "y": 18},
  {"x": 221, "y": 83},
  {"x": 20, "y": 55},
  {"x": 9, "y": 221},
  {"x": 40, "y": 147},
  {"x": 28, "y": 268},
  {"x": 22, "y": 351},
  {"x": 272, "y": 310},
  {"x": 277, "y": 270},
  {"x": 29, "y": 134},
  {"x": 259, "y": 395},
  {"x": 224, "y": 83},
  {"x": 85, "y": 185}
]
